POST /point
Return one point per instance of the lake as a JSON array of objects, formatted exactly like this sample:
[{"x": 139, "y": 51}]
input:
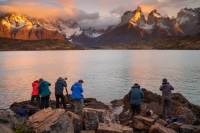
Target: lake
[{"x": 108, "y": 74}]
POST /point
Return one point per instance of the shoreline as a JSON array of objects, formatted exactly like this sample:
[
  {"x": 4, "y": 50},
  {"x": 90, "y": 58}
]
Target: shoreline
[
  {"x": 119, "y": 114},
  {"x": 106, "y": 103}
]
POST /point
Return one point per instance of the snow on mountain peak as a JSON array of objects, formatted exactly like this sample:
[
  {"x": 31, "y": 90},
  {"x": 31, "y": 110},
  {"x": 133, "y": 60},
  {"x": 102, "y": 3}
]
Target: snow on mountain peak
[
  {"x": 190, "y": 12},
  {"x": 185, "y": 15}
]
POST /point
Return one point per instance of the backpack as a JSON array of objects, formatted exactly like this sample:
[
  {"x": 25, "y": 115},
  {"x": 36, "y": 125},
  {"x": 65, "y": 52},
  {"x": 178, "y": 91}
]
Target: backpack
[{"x": 21, "y": 111}]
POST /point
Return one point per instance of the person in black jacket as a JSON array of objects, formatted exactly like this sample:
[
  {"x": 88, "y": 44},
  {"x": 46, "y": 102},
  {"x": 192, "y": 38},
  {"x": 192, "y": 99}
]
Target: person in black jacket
[
  {"x": 59, "y": 85},
  {"x": 166, "y": 89}
]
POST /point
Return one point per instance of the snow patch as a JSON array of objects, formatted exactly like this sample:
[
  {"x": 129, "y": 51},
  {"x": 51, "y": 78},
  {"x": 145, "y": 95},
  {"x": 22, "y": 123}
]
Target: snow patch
[{"x": 190, "y": 12}]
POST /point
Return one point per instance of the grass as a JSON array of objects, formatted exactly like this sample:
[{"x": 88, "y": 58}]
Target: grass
[
  {"x": 21, "y": 45},
  {"x": 169, "y": 43}
]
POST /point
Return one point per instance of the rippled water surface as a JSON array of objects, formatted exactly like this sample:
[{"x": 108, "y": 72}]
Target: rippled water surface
[{"x": 108, "y": 74}]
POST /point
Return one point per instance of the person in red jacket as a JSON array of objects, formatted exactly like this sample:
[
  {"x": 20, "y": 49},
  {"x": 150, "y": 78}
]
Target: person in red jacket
[{"x": 35, "y": 93}]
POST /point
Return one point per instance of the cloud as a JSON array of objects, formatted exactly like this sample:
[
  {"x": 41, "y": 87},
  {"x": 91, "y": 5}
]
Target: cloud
[
  {"x": 86, "y": 20},
  {"x": 100, "y": 23},
  {"x": 81, "y": 15},
  {"x": 118, "y": 10},
  {"x": 102, "y": 12},
  {"x": 38, "y": 8}
]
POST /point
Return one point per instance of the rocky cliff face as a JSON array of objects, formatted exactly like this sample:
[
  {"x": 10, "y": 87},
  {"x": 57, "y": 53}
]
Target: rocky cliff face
[
  {"x": 19, "y": 26},
  {"x": 189, "y": 20}
]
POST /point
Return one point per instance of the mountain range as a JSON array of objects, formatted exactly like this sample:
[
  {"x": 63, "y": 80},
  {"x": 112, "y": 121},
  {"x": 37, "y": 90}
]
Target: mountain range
[{"x": 134, "y": 26}]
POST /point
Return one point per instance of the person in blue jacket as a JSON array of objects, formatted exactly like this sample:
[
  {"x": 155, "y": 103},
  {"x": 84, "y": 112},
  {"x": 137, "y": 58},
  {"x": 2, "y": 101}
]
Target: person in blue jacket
[
  {"x": 77, "y": 96},
  {"x": 44, "y": 93},
  {"x": 135, "y": 95}
]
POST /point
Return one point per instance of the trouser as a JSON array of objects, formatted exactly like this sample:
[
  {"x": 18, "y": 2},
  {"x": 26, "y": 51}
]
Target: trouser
[
  {"x": 135, "y": 109},
  {"x": 37, "y": 97},
  {"x": 78, "y": 106},
  {"x": 166, "y": 108},
  {"x": 45, "y": 102},
  {"x": 62, "y": 99}
]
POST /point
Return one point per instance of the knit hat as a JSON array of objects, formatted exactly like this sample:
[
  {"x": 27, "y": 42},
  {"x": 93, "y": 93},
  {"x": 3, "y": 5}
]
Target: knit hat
[{"x": 165, "y": 81}]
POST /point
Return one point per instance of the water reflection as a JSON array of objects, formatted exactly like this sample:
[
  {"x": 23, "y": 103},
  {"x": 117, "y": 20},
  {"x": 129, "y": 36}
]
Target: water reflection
[{"x": 108, "y": 74}]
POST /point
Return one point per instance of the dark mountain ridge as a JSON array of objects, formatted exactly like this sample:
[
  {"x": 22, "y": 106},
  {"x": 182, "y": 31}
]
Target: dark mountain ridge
[{"x": 134, "y": 27}]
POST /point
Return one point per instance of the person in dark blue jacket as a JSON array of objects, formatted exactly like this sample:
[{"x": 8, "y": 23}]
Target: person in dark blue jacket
[
  {"x": 135, "y": 95},
  {"x": 77, "y": 96},
  {"x": 44, "y": 93},
  {"x": 60, "y": 83}
]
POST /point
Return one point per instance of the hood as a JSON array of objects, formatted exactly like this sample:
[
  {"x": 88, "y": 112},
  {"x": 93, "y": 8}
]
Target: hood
[
  {"x": 60, "y": 79},
  {"x": 136, "y": 86}
]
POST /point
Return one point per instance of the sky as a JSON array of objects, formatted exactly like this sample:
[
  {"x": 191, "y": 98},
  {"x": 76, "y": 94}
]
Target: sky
[{"x": 94, "y": 13}]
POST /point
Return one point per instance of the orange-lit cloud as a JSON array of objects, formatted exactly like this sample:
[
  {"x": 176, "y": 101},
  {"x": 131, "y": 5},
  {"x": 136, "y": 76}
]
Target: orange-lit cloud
[
  {"x": 94, "y": 12},
  {"x": 39, "y": 9},
  {"x": 146, "y": 9},
  {"x": 160, "y": 1}
]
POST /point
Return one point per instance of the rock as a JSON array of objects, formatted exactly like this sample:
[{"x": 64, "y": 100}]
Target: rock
[
  {"x": 98, "y": 117},
  {"x": 197, "y": 129},
  {"x": 88, "y": 131},
  {"x": 5, "y": 128},
  {"x": 158, "y": 128},
  {"x": 95, "y": 104},
  {"x": 188, "y": 116},
  {"x": 162, "y": 122},
  {"x": 8, "y": 121},
  {"x": 152, "y": 101},
  {"x": 175, "y": 126},
  {"x": 92, "y": 117},
  {"x": 144, "y": 123},
  {"x": 185, "y": 128},
  {"x": 52, "y": 121},
  {"x": 78, "y": 121},
  {"x": 113, "y": 128}
]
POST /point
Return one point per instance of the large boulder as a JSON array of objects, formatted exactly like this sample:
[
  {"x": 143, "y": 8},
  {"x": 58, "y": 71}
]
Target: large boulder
[
  {"x": 158, "y": 128},
  {"x": 52, "y": 121},
  {"x": 8, "y": 121},
  {"x": 113, "y": 128},
  {"x": 188, "y": 115}
]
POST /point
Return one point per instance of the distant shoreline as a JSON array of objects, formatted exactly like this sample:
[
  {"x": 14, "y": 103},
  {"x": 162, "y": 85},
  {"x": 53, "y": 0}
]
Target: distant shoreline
[
  {"x": 7, "y": 44},
  {"x": 191, "y": 42}
]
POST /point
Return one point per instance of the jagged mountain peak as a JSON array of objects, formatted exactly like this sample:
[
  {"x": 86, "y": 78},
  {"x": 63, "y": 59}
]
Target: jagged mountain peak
[
  {"x": 15, "y": 22},
  {"x": 133, "y": 17},
  {"x": 155, "y": 13},
  {"x": 189, "y": 20}
]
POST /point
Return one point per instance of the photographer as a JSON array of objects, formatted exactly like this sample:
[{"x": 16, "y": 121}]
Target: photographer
[{"x": 60, "y": 83}]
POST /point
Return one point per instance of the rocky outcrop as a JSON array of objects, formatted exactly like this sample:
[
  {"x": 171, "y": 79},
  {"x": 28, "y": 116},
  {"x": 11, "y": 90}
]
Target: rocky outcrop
[
  {"x": 188, "y": 112},
  {"x": 100, "y": 118}
]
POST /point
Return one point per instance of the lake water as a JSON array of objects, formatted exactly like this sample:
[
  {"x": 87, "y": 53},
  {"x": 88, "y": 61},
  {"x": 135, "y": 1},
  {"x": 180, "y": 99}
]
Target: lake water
[{"x": 108, "y": 74}]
